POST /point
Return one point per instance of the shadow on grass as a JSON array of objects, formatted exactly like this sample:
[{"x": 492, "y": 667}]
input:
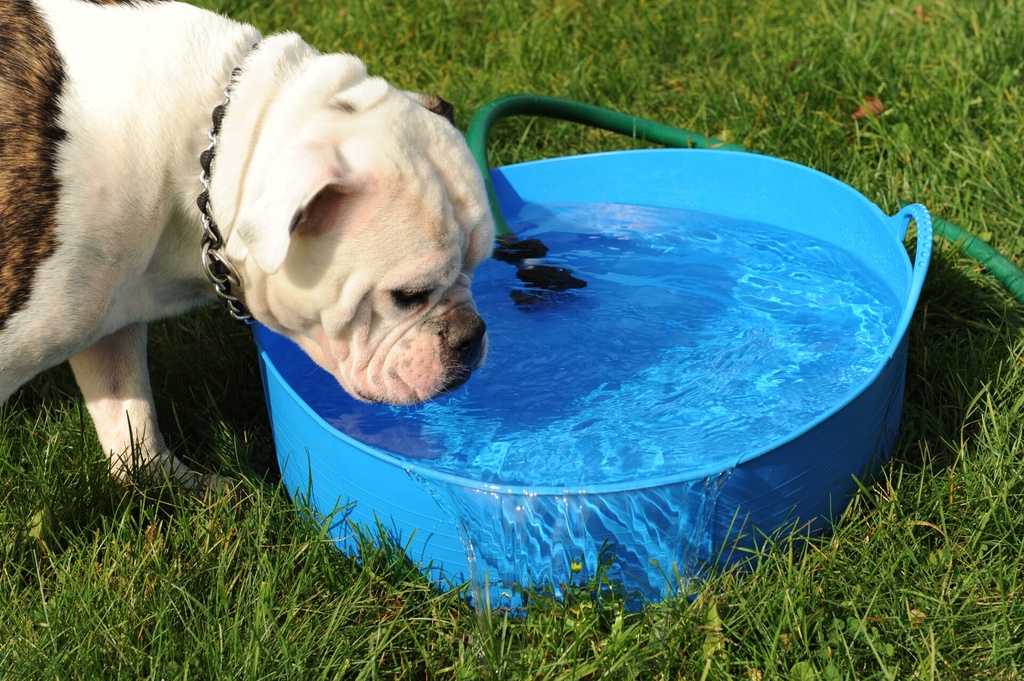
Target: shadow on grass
[
  {"x": 961, "y": 341},
  {"x": 207, "y": 388},
  {"x": 209, "y": 395}
]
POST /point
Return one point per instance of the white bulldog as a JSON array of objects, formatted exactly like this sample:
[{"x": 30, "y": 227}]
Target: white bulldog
[{"x": 347, "y": 215}]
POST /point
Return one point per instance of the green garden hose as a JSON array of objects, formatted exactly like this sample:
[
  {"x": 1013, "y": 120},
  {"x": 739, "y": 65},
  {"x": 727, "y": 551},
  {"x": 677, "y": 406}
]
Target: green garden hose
[
  {"x": 567, "y": 110},
  {"x": 1008, "y": 274}
]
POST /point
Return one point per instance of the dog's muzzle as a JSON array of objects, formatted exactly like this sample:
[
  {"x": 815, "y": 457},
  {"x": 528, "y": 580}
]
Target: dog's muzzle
[{"x": 462, "y": 336}]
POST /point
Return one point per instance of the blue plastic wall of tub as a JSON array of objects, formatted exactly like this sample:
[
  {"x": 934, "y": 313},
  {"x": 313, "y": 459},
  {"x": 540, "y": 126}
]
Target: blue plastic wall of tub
[{"x": 802, "y": 483}]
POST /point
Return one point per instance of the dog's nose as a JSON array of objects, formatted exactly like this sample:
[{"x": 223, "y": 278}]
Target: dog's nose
[
  {"x": 464, "y": 335},
  {"x": 470, "y": 351}
]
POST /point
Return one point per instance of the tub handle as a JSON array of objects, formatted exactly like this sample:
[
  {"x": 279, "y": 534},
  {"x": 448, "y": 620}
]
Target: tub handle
[
  {"x": 920, "y": 215},
  {"x": 922, "y": 255}
]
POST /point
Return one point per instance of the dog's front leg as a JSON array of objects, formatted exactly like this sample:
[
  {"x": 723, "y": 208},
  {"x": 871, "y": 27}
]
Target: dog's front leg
[{"x": 114, "y": 379}]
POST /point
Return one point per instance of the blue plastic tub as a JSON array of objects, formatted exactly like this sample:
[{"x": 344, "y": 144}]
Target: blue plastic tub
[{"x": 653, "y": 535}]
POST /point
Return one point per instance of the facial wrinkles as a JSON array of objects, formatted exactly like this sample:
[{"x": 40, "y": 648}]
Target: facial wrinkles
[
  {"x": 380, "y": 348},
  {"x": 335, "y": 355},
  {"x": 367, "y": 345},
  {"x": 391, "y": 337}
]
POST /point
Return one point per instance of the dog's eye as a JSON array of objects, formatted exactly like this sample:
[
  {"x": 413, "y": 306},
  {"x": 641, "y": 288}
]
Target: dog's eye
[{"x": 408, "y": 300}]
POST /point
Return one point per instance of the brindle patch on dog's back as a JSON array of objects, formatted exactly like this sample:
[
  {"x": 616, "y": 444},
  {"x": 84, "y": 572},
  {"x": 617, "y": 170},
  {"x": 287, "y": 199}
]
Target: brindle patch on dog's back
[{"x": 31, "y": 77}]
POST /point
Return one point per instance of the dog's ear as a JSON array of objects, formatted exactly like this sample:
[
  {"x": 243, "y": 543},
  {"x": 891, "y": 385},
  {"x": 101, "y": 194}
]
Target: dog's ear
[
  {"x": 435, "y": 104},
  {"x": 292, "y": 181},
  {"x": 321, "y": 213},
  {"x": 305, "y": 193}
]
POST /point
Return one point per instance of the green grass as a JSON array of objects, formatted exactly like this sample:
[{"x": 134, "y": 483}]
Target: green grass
[{"x": 922, "y": 579}]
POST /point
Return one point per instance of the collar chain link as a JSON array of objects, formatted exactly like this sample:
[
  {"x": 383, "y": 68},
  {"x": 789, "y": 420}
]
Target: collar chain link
[{"x": 221, "y": 272}]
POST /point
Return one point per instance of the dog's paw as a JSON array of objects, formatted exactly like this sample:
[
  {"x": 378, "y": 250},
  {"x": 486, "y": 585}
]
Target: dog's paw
[
  {"x": 166, "y": 470},
  {"x": 206, "y": 486}
]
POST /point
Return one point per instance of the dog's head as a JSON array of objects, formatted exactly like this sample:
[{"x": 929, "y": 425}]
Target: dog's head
[{"x": 357, "y": 215}]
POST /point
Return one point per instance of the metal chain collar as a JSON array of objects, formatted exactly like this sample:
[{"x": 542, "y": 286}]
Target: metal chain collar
[{"x": 221, "y": 272}]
